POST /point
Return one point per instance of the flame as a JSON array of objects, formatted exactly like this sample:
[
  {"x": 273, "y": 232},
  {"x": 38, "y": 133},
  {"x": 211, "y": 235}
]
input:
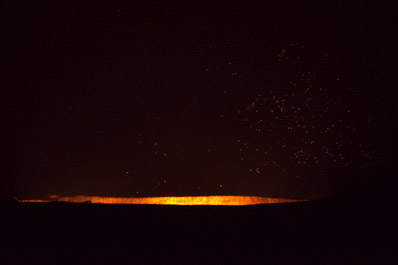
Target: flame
[{"x": 185, "y": 200}]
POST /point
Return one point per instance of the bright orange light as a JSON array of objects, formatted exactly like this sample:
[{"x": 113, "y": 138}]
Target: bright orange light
[{"x": 186, "y": 200}]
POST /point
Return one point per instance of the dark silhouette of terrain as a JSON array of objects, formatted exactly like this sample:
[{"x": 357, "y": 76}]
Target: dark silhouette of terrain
[{"x": 330, "y": 231}]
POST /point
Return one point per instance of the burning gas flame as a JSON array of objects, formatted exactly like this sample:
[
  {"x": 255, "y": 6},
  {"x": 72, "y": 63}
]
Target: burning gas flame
[{"x": 185, "y": 200}]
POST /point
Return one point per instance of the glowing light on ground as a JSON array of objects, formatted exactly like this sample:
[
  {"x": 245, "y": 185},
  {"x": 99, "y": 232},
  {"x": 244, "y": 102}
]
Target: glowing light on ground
[{"x": 185, "y": 200}]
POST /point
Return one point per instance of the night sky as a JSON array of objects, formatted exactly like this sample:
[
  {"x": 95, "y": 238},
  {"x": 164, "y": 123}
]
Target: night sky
[{"x": 160, "y": 98}]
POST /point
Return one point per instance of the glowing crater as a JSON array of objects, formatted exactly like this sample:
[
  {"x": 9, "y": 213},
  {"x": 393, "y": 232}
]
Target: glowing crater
[{"x": 185, "y": 200}]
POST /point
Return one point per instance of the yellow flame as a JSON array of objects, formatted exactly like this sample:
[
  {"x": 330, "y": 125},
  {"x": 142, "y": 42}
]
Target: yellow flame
[{"x": 185, "y": 200}]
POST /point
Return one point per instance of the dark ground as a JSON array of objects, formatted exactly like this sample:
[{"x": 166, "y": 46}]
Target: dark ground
[{"x": 333, "y": 231}]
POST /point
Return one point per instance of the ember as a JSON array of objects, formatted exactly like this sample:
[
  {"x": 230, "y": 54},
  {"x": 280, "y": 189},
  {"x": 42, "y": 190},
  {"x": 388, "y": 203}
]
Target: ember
[{"x": 186, "y": 200}]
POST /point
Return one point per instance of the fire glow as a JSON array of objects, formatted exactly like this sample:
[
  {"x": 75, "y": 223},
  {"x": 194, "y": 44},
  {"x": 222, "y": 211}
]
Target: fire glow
[{"x": 184, "y": 200}]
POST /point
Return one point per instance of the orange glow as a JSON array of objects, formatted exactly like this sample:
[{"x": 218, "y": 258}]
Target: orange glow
[{"x": 186, "y": 200}]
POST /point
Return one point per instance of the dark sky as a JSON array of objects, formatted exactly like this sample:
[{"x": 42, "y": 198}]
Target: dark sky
[{"x": 152, "y": 98}]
